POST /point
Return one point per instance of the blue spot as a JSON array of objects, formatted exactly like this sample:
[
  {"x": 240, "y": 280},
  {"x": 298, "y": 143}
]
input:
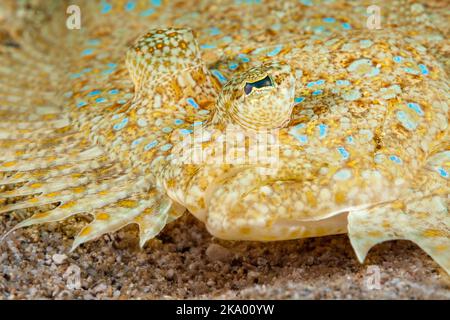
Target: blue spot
[
  {"x": 442, "y": 172},
  {"x": 93, "y": 42},
  {"x": 156, "y": 3},
  {"x": 410, "y": 70},
  {"x": 299, "y": 126},
  {"x": 197, "y": 123},
  {"x": 416, "y": 108},
  {"x": 227, "y": 39},
  {"x": 87, "y": 70},
  {"x": 147, "y": 12},
  {"x": 192, "y": 102},
  {"x": 275, "y": 51},
  {"x": 185, "y": 131},
  {"x": 121, "y": 124},
  {"x": 329, "y": 19},
  {"x": 136, "y": 142},
  {"x": 344, "y": 153},
  {"x": 166, "y": 147},
  {"x": 81, "y": 104},
  {"x": 319, "y": 29},
  {"x": 343, "y": 82},
  {"x": 214, "y": 31},
  {"x": 75, "y": 75},
  {"x": 343, "y": 174},
  {"x": 306, "y": 2},
  {"x": 106, "y": 7},
  {"x": 379, "y": 158},
  {"x": 317, "y": 92},
  {"x": 311, "y": 84},
  {"x": 243, "y": 57},
  {"x": 320, "y": 82},
  {"x": 130, "y": 6},
  {"x": 219, "y": 76},
  {"x": 207, "y": 46},
  {"x": 100, "y": 100},
  {"x": 276, "y": 26},
  {"x": 423, "y": 69},
  {"x": 112, "y": 65},
  {"x": 178, "y": 121},
  {"x": 233, "y": 66},
  {"x": 87, "y": 52},
  {"x": 167, "y": 129},
  {"x": 113, "y": 91},
  {"x": 322, "y": 130},
  {"x": 94, "y": 93},
  {"x": 122, "y": 101},
  {"x": 406, "y": 121},
  {"x": 397, "y": 59},
  {"x": 301, "y": 137},
  {"x": 346, "y": 26},
  {"x": 395, "y": 159},
  {"x": 106, "y": 72},
  {"x": 350, "y": 139},
  {"x": 150, "y": 145},
  {"x": 299, "y": 99}
]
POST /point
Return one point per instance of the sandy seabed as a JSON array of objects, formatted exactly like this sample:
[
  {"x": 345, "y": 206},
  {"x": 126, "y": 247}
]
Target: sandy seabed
[{"x": 186, "y": 262}]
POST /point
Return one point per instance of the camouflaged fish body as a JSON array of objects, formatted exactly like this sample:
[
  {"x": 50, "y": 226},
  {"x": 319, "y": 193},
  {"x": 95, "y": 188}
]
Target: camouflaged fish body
[{"x": 360, "y": 120}]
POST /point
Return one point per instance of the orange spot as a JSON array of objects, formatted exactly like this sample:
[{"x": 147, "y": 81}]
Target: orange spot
[
  {"x": 340, "y": 197},
  {"x": 78, "y": 189},
  {"x": 40, "y": 215},
  {"x": 433, "y": 233},
  {"x": 52, "y": 194},
  {"x": 86, "y": 231},
  {"x": 102, "y": 216},
  {"x": 33, "y": 200},
  {"x": 159, "y": 45},
  {"x": 171, "y": 183},
  {"x": 386, "y": 225},
  {"x": 18, "y": 175},
  {"x": 103, "y": 193},
  {"x": 374, "y": 234},
  {"x": 398, "y": 205},
  {"x": 312, "y": 201},
  {"x": 182, "y": 45},
  {"x": 67, "y": 205},
  {"x": 441, "y": 248},
  {"x": 9, "y": 164},
  {"x": 36, "y": 185},
  {"x": 245, "y": 230},
  {"x": 127, "y": 203},
  {"x": 172, "y": 34}
]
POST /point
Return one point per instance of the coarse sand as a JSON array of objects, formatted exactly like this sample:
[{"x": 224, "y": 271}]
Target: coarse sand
[{"x": 186, "y": 262}]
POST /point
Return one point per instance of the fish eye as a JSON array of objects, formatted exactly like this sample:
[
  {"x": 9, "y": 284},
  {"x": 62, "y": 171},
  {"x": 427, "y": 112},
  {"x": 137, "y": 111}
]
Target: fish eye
[{"x": 266, "y": 82}]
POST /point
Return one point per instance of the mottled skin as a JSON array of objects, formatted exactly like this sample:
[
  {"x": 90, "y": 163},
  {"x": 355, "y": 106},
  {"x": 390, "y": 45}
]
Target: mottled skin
[{"x": 366, "y": 153}]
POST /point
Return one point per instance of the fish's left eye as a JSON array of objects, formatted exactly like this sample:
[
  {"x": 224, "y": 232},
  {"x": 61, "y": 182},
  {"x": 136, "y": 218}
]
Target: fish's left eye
[{"x": 266, "y": 82}]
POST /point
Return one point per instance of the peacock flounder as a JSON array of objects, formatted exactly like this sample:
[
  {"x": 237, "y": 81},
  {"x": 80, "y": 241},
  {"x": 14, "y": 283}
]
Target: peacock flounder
[{"x": 355, "y": 124}]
